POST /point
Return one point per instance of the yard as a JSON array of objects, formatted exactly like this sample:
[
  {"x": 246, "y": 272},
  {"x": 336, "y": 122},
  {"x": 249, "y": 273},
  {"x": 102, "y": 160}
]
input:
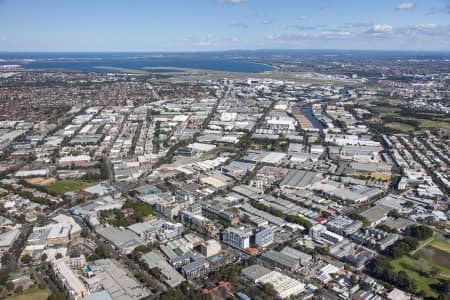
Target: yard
[{"x": 64, "y": 186}]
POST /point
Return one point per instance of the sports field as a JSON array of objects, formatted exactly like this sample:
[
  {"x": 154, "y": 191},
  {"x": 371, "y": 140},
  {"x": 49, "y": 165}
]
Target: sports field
[{"x": 64, "y": 186}]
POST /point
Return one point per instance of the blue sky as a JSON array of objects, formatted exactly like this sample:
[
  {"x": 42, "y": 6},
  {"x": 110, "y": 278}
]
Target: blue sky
[{"x": 204, "y": 25}]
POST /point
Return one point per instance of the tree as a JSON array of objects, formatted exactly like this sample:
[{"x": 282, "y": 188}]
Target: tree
[
  {"x": 380, "y": 267},
  {"x": 356, "y": 216},
  {"x": 44, "y": 257},
  {"x": 420, "y": 232},
  {"x": 84, "y": 233},
  {"x": 102, "y": 252},
  {"x": 5, "y": 258},
  {"x": 26, "y": 259},
  {"x": 299, "y": 220},
  {"x": 394, "y": 214},
  {"x": 155, "y": 272},
  {"x": 409, "y": 204},
  {"x": 269, "y": 290},
  {"x": 401, "y": 247},
  {"x": 56, "y": 295},
  {"x": 252, "y": 260},
  {"x": 443, "y": 287},
  {"x": 58, "y": 255}
]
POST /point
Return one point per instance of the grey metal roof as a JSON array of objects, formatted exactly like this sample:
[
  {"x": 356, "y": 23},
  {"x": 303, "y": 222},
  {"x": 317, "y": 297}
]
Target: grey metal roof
[
  {"x": 281, "y": 258},
  {"x": 300, "y": 178},
  {"x": 198, "y": 262},
  {"x": 255, "y": 272}
]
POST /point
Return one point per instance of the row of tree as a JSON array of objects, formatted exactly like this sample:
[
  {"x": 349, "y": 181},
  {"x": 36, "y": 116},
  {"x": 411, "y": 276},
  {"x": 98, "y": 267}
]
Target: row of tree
[{"x": 290, "y": 218}]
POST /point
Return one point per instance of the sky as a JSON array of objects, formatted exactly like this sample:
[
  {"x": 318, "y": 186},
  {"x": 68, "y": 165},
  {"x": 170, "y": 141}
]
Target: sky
[{"x": 213, "y": 25}]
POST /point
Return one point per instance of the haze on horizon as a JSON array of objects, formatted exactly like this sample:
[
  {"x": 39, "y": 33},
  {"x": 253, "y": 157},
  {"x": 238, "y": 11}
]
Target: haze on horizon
[{"x": 215, "y": 25}]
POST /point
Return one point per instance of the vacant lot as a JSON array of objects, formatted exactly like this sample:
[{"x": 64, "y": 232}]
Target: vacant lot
[
  {"x": 32, "y": 294},
  {"x": 65, "y": 186}
]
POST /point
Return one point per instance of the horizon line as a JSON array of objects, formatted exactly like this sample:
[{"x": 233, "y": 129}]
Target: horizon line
[{"x": 219, "y": 51}]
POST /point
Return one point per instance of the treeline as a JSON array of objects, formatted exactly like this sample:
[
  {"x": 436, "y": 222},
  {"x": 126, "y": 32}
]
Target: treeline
[
  {"x": 299, "y": 220},
  {"x": 356, "y": 216},
  {"x": 419, "y": 232},
  {"x": 102, "y": 175},
  {"x": 401, "y": 247},
  {"x": 289, "y": 218},
  {"x": 267, "y": 209},
  {"x": 381, "y": 268}
]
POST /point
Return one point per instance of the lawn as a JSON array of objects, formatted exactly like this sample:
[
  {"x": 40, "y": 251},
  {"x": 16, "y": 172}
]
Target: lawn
[
  {"x": 409, "y": 265},
  {"x": 64, "y": 186},
  {"x": 32, "y": 294}
]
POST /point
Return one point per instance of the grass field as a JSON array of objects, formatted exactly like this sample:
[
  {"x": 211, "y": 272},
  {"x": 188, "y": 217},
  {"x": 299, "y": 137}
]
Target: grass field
[
  {"x": 403, "y": 127},
  {"x": 400, "y": 127},
  {"x": 389, "y": 109},
  {"x": 64, "y": 186},
  {"x": 428, "y": 123},
  {"x": 409, "y": 265},
  {"x": 441, "y": 245},
  {"x": 433, "y": 258},
  {"x": 32, "y": 294},
  {"x": 437, "y": 254}
]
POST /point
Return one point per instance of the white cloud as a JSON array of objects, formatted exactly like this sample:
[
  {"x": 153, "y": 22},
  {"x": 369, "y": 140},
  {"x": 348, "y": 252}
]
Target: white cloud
[
  {"x": 406, "y": 6},
  {"x": 335, "y": 34},
  {"x": 301, "y": 18},
  {"x": 425, "y": 30},
  {"x": 380, "y": 28},
  {"x": 297, "y": 36},
  {"x": 426, "y": 26}
]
